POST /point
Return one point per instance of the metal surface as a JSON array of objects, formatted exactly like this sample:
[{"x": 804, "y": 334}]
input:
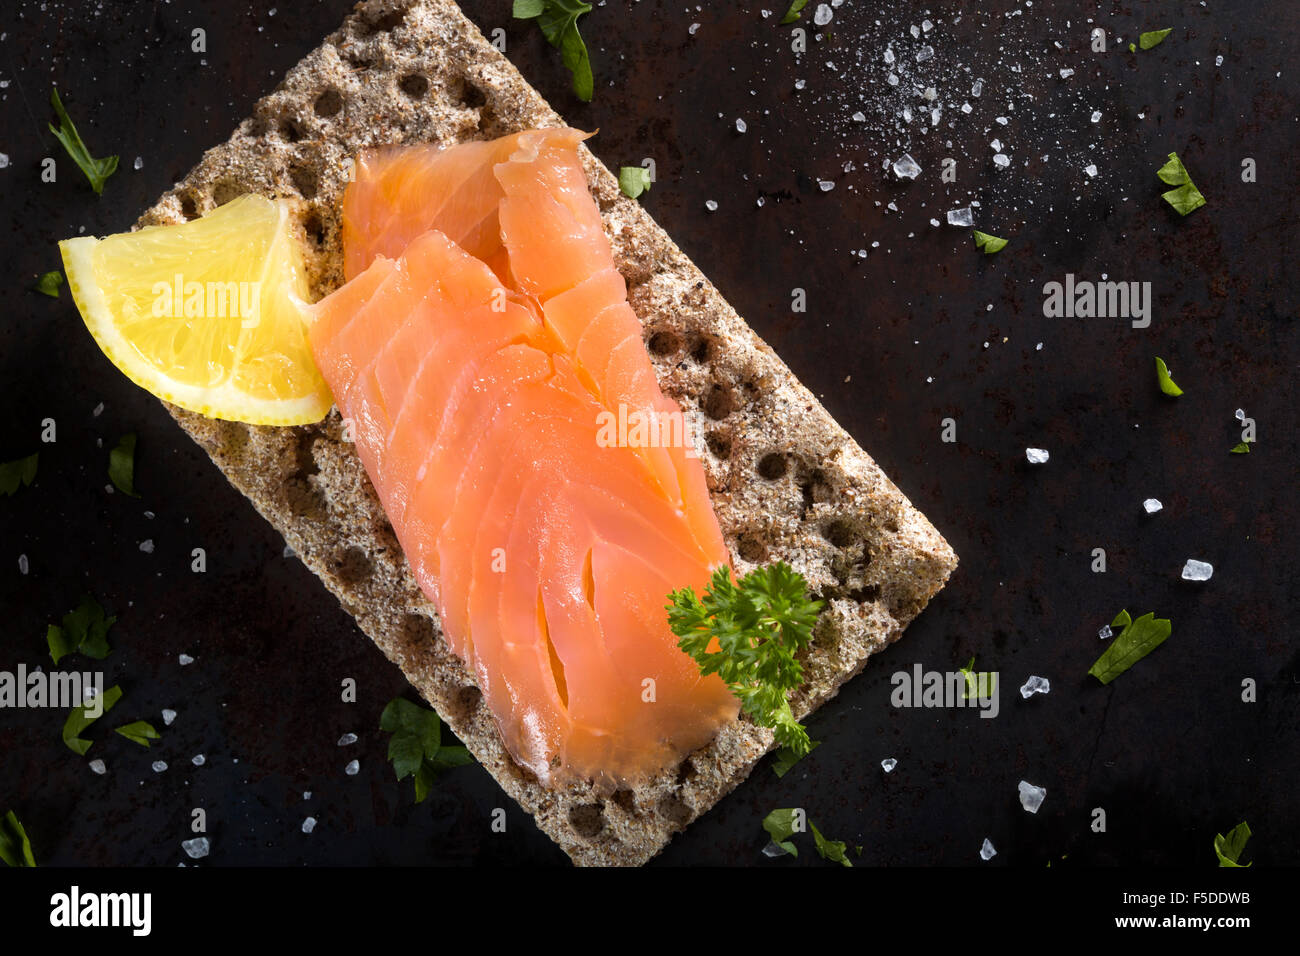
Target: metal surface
[{"x": 1170, "y": 751}]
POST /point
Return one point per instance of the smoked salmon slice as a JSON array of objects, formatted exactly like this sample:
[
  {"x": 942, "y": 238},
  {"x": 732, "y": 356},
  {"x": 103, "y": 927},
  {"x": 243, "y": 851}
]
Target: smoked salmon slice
[{"x": 487, "y": 360}]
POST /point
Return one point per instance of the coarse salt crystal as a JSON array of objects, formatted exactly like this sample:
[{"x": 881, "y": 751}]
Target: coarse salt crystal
[
  {"x": 1035, "y": 685},
  {"x": 888, "y": 764},
  {"x": 986, "y": 850},
  {"x": 1151, "y": 505},
  {"x": 1195, "y": 570},
  {"x": 1031, "y": 797},
  {"x": 1037, "y": 456}
]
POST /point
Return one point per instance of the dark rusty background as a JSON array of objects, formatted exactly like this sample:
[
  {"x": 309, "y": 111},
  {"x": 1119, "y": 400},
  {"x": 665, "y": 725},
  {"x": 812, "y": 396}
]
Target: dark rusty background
[{"x": 1168, "y": 750}]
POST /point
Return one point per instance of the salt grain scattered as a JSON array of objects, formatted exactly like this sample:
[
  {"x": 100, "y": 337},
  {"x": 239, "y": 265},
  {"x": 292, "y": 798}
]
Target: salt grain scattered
[
  {"x": 905, "y": 167},
  {"x": 961, "y": 217},
  {"x": 352, "y": 768},
  {"x": 185, "y": 660},
  {"x": 1105, "y": 633},
  {"x": 986, "y": 851},
  {"x": 97, "y": 766},
  {"x": 168, "y": 716},
  {"x": 22, "y": 564},
  {"x": 347, "y": 740},
  {"x": 1031, "y": 797},
  {"x": 308, "y": 825},
  {"x": 198, "y": 760},
  {"x": 1035, "y": 685},
  {"x": 1151, "y": 505},
  {"x": 197, "y": 848},
  {"x": 1037, "y": 456},
  {"x": 159, "y": 766},
  {"x": 1195, "y": 570},
  {"x": 888, "y": 764}
]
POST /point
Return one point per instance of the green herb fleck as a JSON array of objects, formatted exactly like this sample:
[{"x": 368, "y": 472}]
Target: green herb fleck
[
  {"x": 1241, "y": 448},
  {"x": 121, "y": 465},
  {"x": 139, "y": 732},
  {"x": 20, "y": 471},
  {"x": 559, "y": 22},
  {"x": 1166, "y": 383},
  {"x": 1137, "y": 639},
  {"x": 1229, "y": 848},
  {"x": 1184, "y": 197},
  {"x": 760, "y": 624},
  {"x": 84, "y": 631},
  {"x": 780, "y": 825},
  {"x": 1132, "y": 48},
  {"x": 634, "y": 180},
  {"x": 793, "y": 14},
  {"x": 49, "y": 284},
  {"x": 96, "y": 170},
  {"x": 415, "y": 748},
  {"x": 15, "y": 848},
  {"x": 786, "y": 758},
  {"x": 990, "y": 244},
  {"x": 79, "y": 718},
  {"x": 1154, "y": 38},
  {"x": 981, "y": 685},
  {"x": 833, "y": 850}
]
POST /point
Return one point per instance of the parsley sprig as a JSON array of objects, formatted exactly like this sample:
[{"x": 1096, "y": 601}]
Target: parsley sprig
[
  {"x": 758, "y": 625},
  {"x": 559, "y": 22},
  {"x": 416, "y": 747},
  {"x": 96, "y": 170}
]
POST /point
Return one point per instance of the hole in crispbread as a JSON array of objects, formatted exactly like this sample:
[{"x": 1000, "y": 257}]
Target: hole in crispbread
[
  {"x": 675, "y": 810},
  {"x": 352, "y": 566},
  {"x": 587, "y": 819},
  {"x": 665, "y": 342},
  {"x": 414, "y": 85},
  {"x": 719, "y": 443},
  {"x": 625, "y": 800},
  {"x": 468, "y": 700},
  {"x": 291, "y": 129},
  {"x": 719, "y": 402},
  {"x": 772, "y": 466},
  {"x": 304, "y": 179},
  {"x": 840, "y": 533},
  {"x": 189, "y": 206},
  {"x": 702, "y": 350},
  {"x": 686, "y": 772},
  {"x": 328, "y": 104},
  {"x": 751, "y": 548},
  {"x": 314, "y": 227},
  {"x": 384, "y": 22},
  {"x": 225, "y": 190}
]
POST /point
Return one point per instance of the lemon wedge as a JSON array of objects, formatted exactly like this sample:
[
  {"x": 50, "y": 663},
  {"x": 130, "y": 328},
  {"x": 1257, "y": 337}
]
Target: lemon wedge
[{"x": 206, "y": 314}]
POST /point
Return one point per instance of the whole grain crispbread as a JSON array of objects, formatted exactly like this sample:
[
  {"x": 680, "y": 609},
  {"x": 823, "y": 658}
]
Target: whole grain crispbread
[{"x": 786, "y": 481}]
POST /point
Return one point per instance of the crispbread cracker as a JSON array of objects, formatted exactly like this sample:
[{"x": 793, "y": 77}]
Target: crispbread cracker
[{"x": 786, "y": 481}]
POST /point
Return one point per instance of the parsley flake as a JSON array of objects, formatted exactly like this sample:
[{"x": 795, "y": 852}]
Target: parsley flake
[
  {"x": 559, "y": 22},
  {"x": 84, "y": 631},
  {"x": 1184, "y": 197},
  {"x": 1166, "y": 382},
  {"x": 79, "y": 718},
  {"x": 634, "y": 180},
  {"x": 139, "y": 732},
  {"x": 990, "y": 244},
  {"x": 1137, "y": 639},
  {"x": 96, "y": 170},
  {"x": 1153, "y": 38},
  {"x": 20, "y": 471},
  {"x": 781, "y": 825},
  {"x": 1229, "y": 848},
  {"x": 121, "y": 465},
  {"x": 49, "y": 284},
  {"x": 794, "y": 12},
  {"x": 15, "y": 848},
  {"x": 1241, "y": 448},
  {"x": 416, "y": 747}
]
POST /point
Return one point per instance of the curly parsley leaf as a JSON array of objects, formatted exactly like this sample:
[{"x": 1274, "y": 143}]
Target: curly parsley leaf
[
  {"x": 96, "y": 170},
  {"x": 634, "y": 180},
  {"x": 20, "y": 471},
  {"x": 416, "y": 749},
  {"x": 49, "y": 284},
  {"x": 1153, "y": 38},
  {"x": 1229, "y": 848},
  {"x": 15, "y": 848},
  {"x": 990, "y": 244},
  {"x": 794, "y": 12},
  {"x": 833, "y": 850},
  {"x": 1137, "y": 639},
  {"x": 559, "y": 22},
  {"x": 759, "y": 624},
  {"x": 1184, "y": 197},
  {"x": 121, "y": 465},
  {"x": 79, "y": 718},
  {"x": 1163, "y": 378},
  {"x": 139, "y": 732}
]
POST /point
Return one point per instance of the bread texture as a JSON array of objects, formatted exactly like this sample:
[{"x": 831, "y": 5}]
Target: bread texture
[{"x": 785, "y": 480}]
